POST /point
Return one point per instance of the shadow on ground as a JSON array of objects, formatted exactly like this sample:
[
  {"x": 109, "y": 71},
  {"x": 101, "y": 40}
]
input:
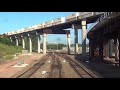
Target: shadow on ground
[{"x": 108, "y": 68}]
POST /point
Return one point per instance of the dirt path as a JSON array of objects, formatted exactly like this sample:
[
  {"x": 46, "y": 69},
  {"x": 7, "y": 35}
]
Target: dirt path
[{"x": 7, "y": 70}]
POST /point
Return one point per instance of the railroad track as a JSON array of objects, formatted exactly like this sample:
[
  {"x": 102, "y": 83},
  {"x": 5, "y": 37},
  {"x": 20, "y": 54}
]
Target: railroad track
[
  {"x": 56, "y": 67},
  {"x": 33, "y": 69},
  {"x": 81, "y": 71}
]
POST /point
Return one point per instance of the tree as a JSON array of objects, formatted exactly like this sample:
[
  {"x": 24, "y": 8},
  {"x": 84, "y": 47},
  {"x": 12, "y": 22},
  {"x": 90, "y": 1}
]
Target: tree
[
  {"x": 55, "y": 46},
  {"x": 6, "y": 40}
]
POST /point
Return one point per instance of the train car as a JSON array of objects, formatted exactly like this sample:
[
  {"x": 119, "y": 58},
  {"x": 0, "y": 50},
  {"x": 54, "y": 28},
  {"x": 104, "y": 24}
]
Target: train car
[
  {"x": 83, "y": 15},
  {"x": 72, "y": 17},
  {"x": 59, "y": 21},
  {"x": 49, "y": 23}
]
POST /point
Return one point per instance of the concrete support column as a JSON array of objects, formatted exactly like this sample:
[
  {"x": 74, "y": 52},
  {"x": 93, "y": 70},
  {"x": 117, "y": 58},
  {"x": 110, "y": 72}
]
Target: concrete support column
[
  {"x": 116, "y": 50},
  {"x": 90, "y": 50},
  {"x": 76, "y": 27},
  {"x": 76, "y": 41},
  {"x": 44, "y": 43},
  {"x": 30, "y": 44},
  {"x": 16, "y": 41},
  {"x": 106, "y": 50},
  {"x": 38, "y": 36},
  {"x": 110, "y": 48},
  {"x": 101, "y": 51},
  {"x": 119, "y": 50},
  {"x": 23, "y": 43},
  {"x": 11, "y": 39},
  {"x": 68, "y": 37},
  {"x": 84, "y": 32}
]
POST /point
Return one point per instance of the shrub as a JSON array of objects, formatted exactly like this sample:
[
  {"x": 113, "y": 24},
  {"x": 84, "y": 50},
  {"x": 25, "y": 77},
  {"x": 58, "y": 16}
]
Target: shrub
[{"x": 7, "y": 41}]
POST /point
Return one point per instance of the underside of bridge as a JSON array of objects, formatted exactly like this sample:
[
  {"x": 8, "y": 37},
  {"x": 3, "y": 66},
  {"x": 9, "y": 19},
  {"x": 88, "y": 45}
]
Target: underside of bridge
[
  {"x": 57, "y": 29},
  {"x": 20, "y": 38},
  {"x": 104, "y": 39}
]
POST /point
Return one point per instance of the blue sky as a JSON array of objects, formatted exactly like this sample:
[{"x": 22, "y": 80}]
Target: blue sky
[{"x": 10, "y": 21}]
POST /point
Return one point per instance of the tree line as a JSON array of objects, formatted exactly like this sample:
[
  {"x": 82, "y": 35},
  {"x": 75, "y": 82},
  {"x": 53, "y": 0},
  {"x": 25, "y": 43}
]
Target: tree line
[{"x": 5, "y": 40}]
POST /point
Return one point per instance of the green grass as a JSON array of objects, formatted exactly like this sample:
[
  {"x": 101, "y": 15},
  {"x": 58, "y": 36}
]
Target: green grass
[{"x": 7, "y": 52}]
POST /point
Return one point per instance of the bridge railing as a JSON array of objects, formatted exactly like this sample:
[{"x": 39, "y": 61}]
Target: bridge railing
[
  {"x": 103, "y": 16},
  {"x": 86, "y": 14}
]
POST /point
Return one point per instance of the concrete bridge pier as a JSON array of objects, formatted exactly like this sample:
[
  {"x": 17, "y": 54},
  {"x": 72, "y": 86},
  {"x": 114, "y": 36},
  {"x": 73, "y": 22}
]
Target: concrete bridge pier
[
  {"x": 116, "y": 49},
  {"x": 16, "y": 41},
  {"x": 38, "y": 39},
  {"x": 76, "y": 41},
  {"x": 110, "y": 48},
  {"x": 23, "y": 42},
  {"x": 68, "y": 37},
  {"x": 91, "y": 50},
  {"x": 30, "y": 43},
  {"x": 11, "y": 39},
  {"x": 76, "y": 27},
  {"x": 101, "y": 50},
  {"x": 119, "y": 49},
  {"x": 84, "y": 33},
  {"x": 44, "y": 43}
]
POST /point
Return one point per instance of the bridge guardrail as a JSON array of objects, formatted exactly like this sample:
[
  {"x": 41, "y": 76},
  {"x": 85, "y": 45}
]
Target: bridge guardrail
[{"x": 103, "y": 16}]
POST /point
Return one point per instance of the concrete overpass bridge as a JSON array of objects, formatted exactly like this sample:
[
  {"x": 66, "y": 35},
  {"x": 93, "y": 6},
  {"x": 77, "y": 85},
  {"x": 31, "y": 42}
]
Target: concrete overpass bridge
[
  {"x": 104, "y": 37},
  {"x": 75, "y": 21}
]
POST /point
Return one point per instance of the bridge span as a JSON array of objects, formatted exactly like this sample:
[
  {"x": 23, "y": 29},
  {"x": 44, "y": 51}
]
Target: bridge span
[
  {"x": 104, "y": 38},
  {"x": 76, "y": 21}
]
